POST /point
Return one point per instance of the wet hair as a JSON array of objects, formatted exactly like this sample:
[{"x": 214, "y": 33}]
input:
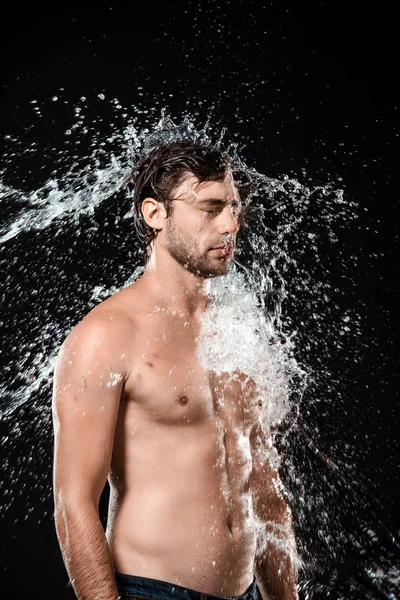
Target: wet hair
[{"x": 159, "y": 173}]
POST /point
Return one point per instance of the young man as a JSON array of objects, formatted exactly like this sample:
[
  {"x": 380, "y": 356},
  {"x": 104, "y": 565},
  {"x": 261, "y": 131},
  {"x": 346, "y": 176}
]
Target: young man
[{"x": 132, "y": 402}]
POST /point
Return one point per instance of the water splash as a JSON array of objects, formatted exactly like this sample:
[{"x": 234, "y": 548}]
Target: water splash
[
  {"x": 70, "y": 243},
  {"x": 235, "y": 320}
]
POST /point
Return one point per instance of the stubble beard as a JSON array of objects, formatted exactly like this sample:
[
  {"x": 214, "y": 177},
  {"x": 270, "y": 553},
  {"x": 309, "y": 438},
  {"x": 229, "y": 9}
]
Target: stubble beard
[{"x": 186, "y": 252}]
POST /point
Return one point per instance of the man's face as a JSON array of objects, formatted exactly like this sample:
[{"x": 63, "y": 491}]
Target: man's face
[{"x": 201, "y": 232}]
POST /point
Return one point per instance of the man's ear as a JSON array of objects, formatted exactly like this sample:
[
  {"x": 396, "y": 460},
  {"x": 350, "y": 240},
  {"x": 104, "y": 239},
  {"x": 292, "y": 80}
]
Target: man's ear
[{"x": 154, "y": 213}]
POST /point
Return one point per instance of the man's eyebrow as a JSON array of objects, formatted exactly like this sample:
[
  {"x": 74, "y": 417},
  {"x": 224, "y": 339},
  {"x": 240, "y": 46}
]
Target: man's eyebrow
[{"x": 216, "y": 201}]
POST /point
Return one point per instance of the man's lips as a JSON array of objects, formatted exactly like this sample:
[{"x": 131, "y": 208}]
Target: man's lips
[
  {"x": 224, "y": 249},
  {"x": 222, "y": 246}
]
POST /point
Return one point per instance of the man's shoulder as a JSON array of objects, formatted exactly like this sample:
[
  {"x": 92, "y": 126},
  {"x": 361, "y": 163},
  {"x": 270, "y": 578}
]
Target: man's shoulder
[
  {"x": 110, "y": 322},
  {"x": 107, "y": 320}
]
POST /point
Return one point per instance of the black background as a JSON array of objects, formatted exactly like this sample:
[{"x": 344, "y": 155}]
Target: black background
[{"x": 310, "y": 93}]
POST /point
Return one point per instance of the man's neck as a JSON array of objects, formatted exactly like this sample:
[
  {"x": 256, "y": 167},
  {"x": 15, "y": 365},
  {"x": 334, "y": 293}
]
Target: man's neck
[{"x": 176, "y": 289}]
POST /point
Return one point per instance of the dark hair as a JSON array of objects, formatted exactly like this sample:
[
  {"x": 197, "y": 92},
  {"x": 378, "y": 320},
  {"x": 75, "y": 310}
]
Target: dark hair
[{"x": 160, "y": 172}]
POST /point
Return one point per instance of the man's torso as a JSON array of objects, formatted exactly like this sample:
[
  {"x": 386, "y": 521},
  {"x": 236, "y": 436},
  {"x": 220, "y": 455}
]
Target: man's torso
[{"x": 180, "y": 504}]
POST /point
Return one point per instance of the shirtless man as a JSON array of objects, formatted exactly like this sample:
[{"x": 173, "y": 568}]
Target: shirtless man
[{"x": 188, "y": 479}]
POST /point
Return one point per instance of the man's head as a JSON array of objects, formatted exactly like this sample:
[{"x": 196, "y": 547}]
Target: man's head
[{"x": 185, "y": 198}]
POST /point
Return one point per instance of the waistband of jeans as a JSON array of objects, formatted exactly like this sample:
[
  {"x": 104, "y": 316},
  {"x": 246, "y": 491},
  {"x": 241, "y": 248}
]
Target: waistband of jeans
[{"x": 152, "y": 586}]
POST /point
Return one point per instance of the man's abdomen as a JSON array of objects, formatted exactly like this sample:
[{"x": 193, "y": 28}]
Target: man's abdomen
[{"x": 185, "y": 516}]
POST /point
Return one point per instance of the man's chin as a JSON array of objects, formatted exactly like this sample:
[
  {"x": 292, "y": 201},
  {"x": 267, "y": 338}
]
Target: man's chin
[
  {"x": 218, "y": 270},
  {"x": 208, "y": 269}
]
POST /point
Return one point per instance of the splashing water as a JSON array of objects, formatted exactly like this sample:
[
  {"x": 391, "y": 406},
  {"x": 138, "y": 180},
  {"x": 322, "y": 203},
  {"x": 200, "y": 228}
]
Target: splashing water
[{"x": 280, "y": 316}]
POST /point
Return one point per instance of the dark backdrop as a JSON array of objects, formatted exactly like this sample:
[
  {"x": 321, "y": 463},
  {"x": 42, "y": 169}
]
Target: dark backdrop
[{"x": 310, "y": 93}]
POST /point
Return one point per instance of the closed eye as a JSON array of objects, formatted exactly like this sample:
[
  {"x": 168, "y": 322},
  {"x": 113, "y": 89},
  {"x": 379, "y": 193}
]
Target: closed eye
[{"x": 235, "y": 209}]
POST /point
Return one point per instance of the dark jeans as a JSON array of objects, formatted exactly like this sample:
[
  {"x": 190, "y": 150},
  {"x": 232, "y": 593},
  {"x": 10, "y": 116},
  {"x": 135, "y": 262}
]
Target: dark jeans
[{"x": 132, "y": 586}]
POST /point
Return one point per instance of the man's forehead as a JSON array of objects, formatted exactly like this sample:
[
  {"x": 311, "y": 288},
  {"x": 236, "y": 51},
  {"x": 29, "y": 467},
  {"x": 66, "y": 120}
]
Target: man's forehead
[{"x": 192, "y": 188}]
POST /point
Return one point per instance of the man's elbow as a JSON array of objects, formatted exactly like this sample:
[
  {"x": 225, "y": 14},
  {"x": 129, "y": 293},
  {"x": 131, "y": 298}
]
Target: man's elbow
[
  {"x": 70, "y": 508},
  {"x": 75, "y": 520},
  {"x": 270, "y": 505}
]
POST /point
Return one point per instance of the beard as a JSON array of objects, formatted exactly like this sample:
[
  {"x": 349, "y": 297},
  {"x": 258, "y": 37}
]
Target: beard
[{"x": 186, "y": 252}]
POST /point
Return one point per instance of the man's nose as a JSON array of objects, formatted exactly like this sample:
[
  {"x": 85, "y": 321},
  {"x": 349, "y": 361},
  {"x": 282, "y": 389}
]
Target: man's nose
[{"x": 228, "y": 223}]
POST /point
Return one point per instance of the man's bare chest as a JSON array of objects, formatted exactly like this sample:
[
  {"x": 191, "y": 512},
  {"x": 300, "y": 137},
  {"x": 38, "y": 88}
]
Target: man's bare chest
[{"x": 169, "y": 383}]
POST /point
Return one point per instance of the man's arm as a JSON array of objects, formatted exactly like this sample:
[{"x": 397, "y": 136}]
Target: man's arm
[
  {"x": 89, "y": 377},
  {"x": 276, "y": 558}
]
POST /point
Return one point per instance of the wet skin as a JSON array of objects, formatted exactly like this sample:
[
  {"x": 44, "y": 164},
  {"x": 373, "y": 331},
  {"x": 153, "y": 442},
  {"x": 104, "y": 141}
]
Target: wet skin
[
  {"x": 133, "y": 403},
  {"x": 181, "y": 508}
]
